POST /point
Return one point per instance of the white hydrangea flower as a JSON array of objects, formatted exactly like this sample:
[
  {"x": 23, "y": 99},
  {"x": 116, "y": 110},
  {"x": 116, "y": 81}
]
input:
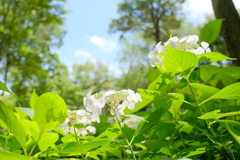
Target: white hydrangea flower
[
  {"x": 132, "y": 122},
  {"x": 186, "y": 43},
  {"x": 83, "y": 117},
  {"x": 91, "y": 129},
  {"x": 82, "y": 132},
  {"x": 203, "y": 49},
  {"x": 94, "y": 105},
  {"x": 64, "y": 126}
]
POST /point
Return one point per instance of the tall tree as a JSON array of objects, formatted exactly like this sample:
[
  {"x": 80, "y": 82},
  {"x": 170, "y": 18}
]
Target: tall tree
[
  {"x": 155, "y": 18},
  {"x": 28, "y": 29},
  {"x": 230, "y": 27}
]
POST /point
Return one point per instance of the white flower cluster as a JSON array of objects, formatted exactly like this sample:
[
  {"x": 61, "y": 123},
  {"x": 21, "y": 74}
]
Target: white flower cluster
[
  {"x": 116, "y": 100},
  {"x": 78, "y": 117},
  {"x": 187, "y": 43}
]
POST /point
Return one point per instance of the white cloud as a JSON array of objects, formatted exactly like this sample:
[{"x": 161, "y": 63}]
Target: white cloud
[
  {"x": 103, "y": 43},
  {"x": 81, "y": 53}
]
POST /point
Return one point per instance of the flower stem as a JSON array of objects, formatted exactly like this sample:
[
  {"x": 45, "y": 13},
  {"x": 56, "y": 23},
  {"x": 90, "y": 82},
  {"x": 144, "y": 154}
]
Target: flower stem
[
  {"x": 75, "y": 133},
  {"x": 129, "y": 144},
  {"x": 199, "y": 108}
]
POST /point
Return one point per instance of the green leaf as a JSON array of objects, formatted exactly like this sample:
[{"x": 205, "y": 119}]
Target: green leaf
[
  {"x": 47, "y": 140},
  {"x": 164, "y": 129},
  {"x": 155, "y": 145},
  {"x": 86, "y": 147},
  {"x": 151, "y": 121},
  {"x": 207, "y": 71},
  {"x": 233, "y": 128},
  {"x": 33, "y": 99},
  {"x": 13, "y": 124},
  {"x": 210, "y": 31},
  {"x": 28, "y": 111},
  {"x": 180, "y": 62},
  {"x": 185, "y": 127},
  {"x": 116, "y": 152},
  {"x": 153, "y": 74},
  {"x": 201, "y": 91},
  {"x": 145, "y": 101},
  {"x": 4, "y": 87},
  {"x": 50, "y": 111},
  {"x": 216, "y": 115},
  {"x": 213, "y": 57},
  {"x": 112, "y": 132},
  {"x": 192, "y": 151},
  {"x": 176, "y": 104},
  {"x": 230, "y": 92},
  {"x": 12, "y": 156}
]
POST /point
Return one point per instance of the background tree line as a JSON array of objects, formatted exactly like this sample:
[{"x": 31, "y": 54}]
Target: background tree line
[{"x": 30, "y": 28}]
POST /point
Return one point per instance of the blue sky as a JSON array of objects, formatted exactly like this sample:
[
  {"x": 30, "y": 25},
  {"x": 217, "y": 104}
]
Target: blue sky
[{"x": 87, "y": 25}]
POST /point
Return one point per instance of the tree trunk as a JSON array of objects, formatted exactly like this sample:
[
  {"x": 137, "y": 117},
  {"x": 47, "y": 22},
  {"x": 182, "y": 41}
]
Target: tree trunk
[{"x": 230, "y": 27}]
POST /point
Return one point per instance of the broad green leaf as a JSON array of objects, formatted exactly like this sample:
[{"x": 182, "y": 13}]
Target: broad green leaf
[
  {"x": 153, "y": 74},
  {"x": 27, "y": 111},
  {"x": 27, "y": 124},
  {"x": 207, "y": 71},
  {"x": 176, "y": 104},
  {"x": 4, "y": 87},
  {"x": 233, "y": 127},
  {"x": 112, "y": 132},
  {"x": 49, "y": 111},
  {"x": 47, "y": 140},
  {"x": 180, "y": 62},
  {"x": 216, "y": 115},
  {"x": 155, "y": 145},
  {"x": 129, "y": 132},
  {"x": 151, "y": 121},
  {"x": 230, "y": 92},
  {"x": 13, "y": 124},
  {"x": 213, "y": 57},
  {"x": 12, "y": 156},
  {"x": 232, "y": 71},
  {"x": 210, "y": 31},
  {"x": 116, "y": 152},
  {"x": 33, "y": 99},
  {"x": 156, "y": 95},
  {"x": 185, "y": 127},
  {"x": 201, "y": 91},
  {"x": 86, "y": 147},
  {"x": 191, "y": 151},
  {"x": 228, "y": 75},
  {"x": 163, "y": 80},
  {"x": 68, "y": 138},
  {"x": 164, "y": 129}
]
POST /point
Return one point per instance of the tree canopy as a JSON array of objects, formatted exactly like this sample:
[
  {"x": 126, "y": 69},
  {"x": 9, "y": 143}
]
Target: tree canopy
[
  {"x": 155, "y": 18},
  {"x": 28, "y": 29}
]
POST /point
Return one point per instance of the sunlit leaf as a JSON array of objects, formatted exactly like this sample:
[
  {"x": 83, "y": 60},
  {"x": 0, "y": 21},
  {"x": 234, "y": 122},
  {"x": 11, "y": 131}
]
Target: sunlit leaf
[
  {"x": 216, "y": 115},
  {"x": 4, "y": 87},
  {"x": 180, "y": 62},
  {"x": 210, "y": 31},
  {"x": 213, "y": 57},
  {"x": 49, "y": 111},
  {"x": 33, "y": 98},
  {"x": 233, "y": 127},
  {"x": 153, "y": 74},
  {"x": 207, "y": 71},
  {"x": 47, "y": 140},
  {"x": 230, "y": 92},
  {"x": 12, "y": 156},
  {"x": 13, "y": 124}
]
